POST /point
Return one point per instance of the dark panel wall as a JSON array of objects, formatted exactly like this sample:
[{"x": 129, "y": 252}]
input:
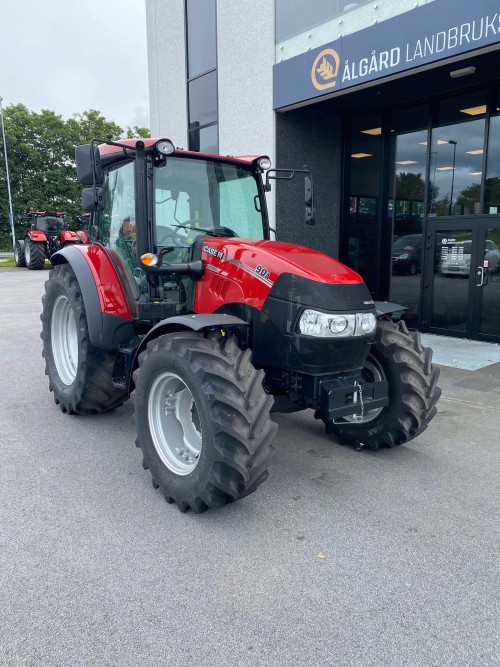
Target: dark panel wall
[{"x": 304, "y": 136}]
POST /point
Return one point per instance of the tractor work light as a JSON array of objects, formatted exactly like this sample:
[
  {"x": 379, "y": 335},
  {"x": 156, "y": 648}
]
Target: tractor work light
[
  {"x": 165, "y": 147},
  {"x": 149, "y": 259},
  {"x": 328, "y": 325},
  {"x": 264, "y": 163}
]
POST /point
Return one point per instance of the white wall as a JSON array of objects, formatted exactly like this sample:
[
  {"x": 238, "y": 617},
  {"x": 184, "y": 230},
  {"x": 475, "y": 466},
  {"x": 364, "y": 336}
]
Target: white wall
[
  {"x": 167, "y": 70},
  {"x": 245, "y": 57}
]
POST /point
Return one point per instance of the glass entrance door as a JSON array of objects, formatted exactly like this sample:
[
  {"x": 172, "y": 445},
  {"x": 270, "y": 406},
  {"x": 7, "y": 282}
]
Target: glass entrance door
[{"x": 463, "y": 279}]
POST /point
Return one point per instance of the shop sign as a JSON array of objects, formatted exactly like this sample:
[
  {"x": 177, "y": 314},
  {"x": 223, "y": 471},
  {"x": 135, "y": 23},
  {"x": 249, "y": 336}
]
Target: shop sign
[{"x": 438, "y": 30}]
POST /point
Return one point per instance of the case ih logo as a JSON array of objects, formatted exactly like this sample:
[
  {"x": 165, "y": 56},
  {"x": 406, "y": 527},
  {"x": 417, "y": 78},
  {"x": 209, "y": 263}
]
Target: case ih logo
[
  {"x": 325, "y": 69},
  {"x": 212, "y": 251}
]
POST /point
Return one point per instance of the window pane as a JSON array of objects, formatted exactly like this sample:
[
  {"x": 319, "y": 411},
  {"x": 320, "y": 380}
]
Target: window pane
[
  {"x": 195, "y": 195},
  {"x": 456, "y": 168},
  {"x": 492, "y": 183},
  {"x": 407, "y": 207},
  {"x": 366, "y": 166},
  {"x": 201, "y": 36},
  {"x": 209, "y": 139},
  {"x": 117, "y": 220},
  {"x": 203, "y": 101},
  {"x": 205, "y": 140},
  {"x": 463, "y": 108}
]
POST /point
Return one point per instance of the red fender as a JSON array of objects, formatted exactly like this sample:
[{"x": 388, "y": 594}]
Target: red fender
[
  {"x": 36, "y": 235},
  {"x": 83, "y": 237},
  {"x": 68, "y": 237}
]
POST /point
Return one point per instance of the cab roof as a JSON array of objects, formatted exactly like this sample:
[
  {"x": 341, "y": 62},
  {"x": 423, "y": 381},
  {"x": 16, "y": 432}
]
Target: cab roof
[{"x": 106, "y": 150}]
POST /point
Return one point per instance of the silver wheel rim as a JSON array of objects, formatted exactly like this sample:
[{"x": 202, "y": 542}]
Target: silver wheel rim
[
  {"x": 174, "y": 424},
  {"x": 64, "y": 340},
  {"x": 372, "y": 372},
  {"x": 27, "y": 252},
  {"x": 16, "y": 254}
]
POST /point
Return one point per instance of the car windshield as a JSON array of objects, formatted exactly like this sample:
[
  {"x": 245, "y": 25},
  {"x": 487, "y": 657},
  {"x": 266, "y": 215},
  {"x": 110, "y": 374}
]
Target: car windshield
[
  {"x": 204, "y": 196},
  {"x": 406, "y": 243}
]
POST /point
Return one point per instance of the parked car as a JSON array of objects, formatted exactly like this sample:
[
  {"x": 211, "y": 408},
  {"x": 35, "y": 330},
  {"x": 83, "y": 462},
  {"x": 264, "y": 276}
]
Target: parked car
[
  {"x": 407, "y": 254},
  {"x": 457, "y": 261}
]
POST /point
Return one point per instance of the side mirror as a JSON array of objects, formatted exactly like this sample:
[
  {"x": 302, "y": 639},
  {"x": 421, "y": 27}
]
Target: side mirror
[
  {"x": 92, "y": 199},
  {"x": 88, "y": 165},
  {"x": 309, "y": 199}
]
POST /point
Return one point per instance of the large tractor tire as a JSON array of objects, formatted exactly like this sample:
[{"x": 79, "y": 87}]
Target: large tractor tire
[
  {"x": 34, "y": 254},
  {"x": 19, "y": 257},
  {"x": 80, "y": 375},
  {"x": 202, "y": 420},
  {"x": 398, "y": 357}
]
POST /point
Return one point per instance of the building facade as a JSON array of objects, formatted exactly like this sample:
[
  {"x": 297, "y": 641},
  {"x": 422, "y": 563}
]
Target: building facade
[{"x": 395, "y": 107}]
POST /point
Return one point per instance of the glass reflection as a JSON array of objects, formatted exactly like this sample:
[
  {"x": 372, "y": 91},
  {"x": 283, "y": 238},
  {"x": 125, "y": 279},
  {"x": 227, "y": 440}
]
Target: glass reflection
[
  {"x": 450, "y": 294},
  {"x": 456, "y": 169},
  {"x": 492, "y": 182},
  {"x": 490, "y": 292},
  {"x": 366, "y": 164},
  {"x": 407, "y": 207}
]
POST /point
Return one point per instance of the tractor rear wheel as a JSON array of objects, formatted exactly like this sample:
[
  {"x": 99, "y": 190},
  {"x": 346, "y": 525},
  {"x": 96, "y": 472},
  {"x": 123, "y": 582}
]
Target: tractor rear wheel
[
  {"x": 34, "y": 254},
  {"x": 398, "y": 357},
  {"x": 80, "y": 375},
  {"x": 202, "y": 420},
  {"x": 19, "y": 254}
]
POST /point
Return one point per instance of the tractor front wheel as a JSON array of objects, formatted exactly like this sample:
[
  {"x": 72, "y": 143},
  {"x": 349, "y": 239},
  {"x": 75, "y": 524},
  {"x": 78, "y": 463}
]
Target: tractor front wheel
[
  {"x": 19, "y": 257},
  {"x": 80, "y": 375},
  {"x": 34, "y": 254},
  {"x": 397, "y": 356},
  {"x": 202, "y": 419}
]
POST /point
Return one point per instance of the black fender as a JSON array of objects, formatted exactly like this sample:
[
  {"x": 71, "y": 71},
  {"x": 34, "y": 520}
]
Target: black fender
[
  {"x": 106, "y": 331},
  {"x": 387, "y": 308},
  {"x": 127, "y": 358}
]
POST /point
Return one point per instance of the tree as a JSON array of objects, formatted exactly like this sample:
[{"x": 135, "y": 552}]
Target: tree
[{"x": 41, "y": 152}]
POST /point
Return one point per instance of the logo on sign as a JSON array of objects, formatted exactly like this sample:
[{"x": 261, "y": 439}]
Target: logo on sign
[{"x": 325, "y": 69}]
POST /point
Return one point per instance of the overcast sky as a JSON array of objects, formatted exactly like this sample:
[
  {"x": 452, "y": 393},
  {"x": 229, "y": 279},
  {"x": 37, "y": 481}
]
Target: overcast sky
[{"x": 72, "y": 56}]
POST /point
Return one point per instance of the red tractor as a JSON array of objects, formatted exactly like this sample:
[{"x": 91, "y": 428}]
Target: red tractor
[
  {"x": 47, "y": 234},
  {"x": 182, "y": 298}
]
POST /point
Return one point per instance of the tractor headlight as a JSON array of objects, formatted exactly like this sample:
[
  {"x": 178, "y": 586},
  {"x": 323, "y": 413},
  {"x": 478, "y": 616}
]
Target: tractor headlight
[
  {"x": 327, "y": 325},
  {"x": 264, "y": 163},
  {"x": 165, "y": 147}
]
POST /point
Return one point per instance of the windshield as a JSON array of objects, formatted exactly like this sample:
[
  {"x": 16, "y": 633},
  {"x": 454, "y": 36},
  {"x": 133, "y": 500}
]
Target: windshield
[
  {"x": 407, "y": 243},
  {"x": 204, "y": 196}
]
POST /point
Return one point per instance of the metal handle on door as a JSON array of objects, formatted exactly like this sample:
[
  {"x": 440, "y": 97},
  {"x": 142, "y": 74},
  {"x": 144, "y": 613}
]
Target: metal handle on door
[{"x": 480, "y": 274}]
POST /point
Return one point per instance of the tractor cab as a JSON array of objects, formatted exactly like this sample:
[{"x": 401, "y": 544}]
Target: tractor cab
[
  {"x": 156, "y": 209},
  {"x": 48, "y": 222}
]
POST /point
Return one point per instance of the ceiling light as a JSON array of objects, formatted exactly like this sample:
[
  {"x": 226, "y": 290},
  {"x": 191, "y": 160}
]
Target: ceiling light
[
  {"x": 465, "y": 71},
  {"x": 440, "y": 142},
  {"x": 475, "y": 111},
  {"x": 406, "y": 162},
  {"x": 445, "y": 168},
  {"x": 477, "y": 151},
  {"x": 475, "y": 173},
  {"x": 374, "y": 131},
  {"x": 360, "y": 155}
]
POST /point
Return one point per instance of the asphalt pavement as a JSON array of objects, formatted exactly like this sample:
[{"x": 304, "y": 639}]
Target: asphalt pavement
[{"x": 341, "y": 558}]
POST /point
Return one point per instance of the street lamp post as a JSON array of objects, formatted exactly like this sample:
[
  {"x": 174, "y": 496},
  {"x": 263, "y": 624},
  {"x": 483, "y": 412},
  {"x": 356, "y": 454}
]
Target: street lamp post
[
  {"x": 11, "y": 217},
  {"x": 454, "y": 144}
]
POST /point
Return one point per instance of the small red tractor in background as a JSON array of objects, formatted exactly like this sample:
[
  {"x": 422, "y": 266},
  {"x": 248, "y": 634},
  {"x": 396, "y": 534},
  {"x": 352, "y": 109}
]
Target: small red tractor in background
[{"x": 47, "y": 234}]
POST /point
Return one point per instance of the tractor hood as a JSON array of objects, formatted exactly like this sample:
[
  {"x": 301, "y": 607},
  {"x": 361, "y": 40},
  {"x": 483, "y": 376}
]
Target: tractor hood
[
  {"x": 269, "y": 259},
  {"x": 243, "y": 271}
]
